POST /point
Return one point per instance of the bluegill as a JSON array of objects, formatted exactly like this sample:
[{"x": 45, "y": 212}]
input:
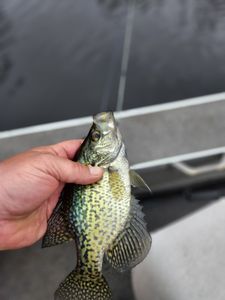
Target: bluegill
[{"x": 103, "y": 218}]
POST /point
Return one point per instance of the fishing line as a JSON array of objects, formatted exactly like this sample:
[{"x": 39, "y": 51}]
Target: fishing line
[{"x": 126, "y": 55}]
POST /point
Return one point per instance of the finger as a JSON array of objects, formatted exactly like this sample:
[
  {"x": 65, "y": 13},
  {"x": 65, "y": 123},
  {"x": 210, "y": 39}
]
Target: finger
[
  {"x": 65, "y": 149},
  {"x": 67, "y": 171}
]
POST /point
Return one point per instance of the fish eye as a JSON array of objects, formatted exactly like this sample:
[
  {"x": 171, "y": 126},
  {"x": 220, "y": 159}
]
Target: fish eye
[{"x": 95, "y": 136}]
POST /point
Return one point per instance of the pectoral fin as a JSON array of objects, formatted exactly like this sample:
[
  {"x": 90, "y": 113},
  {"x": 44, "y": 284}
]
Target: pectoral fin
[
  {"x": 137, "y": 181},
  {"x": 132, "y": 244}
]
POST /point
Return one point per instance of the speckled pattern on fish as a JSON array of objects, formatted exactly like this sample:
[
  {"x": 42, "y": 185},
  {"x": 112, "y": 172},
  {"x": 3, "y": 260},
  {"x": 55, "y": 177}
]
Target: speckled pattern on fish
[{"x": 103, "y": 218}]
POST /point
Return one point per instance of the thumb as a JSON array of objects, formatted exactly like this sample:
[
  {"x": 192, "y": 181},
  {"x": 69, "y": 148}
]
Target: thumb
[{"x": 68, "y": 171}]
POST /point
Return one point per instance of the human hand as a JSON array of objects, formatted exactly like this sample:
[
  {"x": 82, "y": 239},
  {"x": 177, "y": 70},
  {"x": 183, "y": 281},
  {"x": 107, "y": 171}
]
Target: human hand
[{"x": 30, "y": 186}]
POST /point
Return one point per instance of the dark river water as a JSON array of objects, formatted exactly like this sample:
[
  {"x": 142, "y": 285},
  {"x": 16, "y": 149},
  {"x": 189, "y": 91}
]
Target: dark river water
[{"x": 66, "y": 59}]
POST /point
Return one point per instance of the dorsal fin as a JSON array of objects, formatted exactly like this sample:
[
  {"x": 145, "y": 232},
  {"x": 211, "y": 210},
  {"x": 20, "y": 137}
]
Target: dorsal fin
[
  {"x": 132, "y": 244},
  {"x": 58, "y": 230}
]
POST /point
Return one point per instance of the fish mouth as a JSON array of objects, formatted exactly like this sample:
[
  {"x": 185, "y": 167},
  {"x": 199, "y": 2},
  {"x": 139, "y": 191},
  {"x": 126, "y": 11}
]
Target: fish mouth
[
  {"x": 106, "y": 117},
  {"x": 105, "y": 121}
]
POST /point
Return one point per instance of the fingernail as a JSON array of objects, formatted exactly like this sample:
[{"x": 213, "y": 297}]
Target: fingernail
[{"x": 95, "y": 170}]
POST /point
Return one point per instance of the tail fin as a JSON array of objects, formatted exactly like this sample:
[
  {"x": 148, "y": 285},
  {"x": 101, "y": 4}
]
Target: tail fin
[{"x": 83, "y": 287}]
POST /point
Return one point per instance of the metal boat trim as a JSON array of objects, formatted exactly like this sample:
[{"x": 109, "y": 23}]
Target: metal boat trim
[{"x": 120, "y": 115}]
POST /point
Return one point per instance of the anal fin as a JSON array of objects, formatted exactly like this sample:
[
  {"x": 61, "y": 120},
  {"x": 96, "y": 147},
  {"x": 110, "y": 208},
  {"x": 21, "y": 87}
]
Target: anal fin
[
  {"x": 132, "y": 244},
  {"x": 79, "y": 286}
]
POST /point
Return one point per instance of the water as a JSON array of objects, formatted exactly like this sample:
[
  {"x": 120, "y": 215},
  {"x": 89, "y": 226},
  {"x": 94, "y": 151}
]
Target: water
[{"x": 62, "y": 59}]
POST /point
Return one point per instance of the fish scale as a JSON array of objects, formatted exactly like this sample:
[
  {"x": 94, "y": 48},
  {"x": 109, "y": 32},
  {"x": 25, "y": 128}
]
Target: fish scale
[
  {"x": 103, "y": 218},
  {"x": 113, "y": 211}
]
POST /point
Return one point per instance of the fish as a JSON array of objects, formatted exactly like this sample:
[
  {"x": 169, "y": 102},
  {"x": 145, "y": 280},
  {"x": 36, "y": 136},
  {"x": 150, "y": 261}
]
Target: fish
[{"x": 104, "y": 219}]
